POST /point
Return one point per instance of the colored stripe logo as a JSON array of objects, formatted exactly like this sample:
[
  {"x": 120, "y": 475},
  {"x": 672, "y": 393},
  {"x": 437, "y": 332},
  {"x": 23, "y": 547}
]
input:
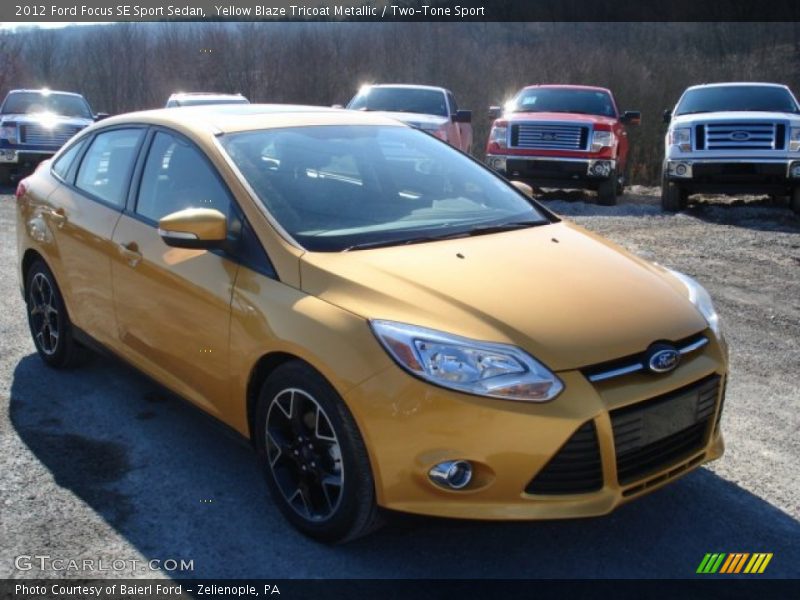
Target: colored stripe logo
[{"x": 734, "y": 563}]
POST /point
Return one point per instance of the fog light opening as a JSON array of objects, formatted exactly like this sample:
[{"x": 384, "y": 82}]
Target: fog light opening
[
  {"x": 680, "y": 169},
  {"x": 452, "y": 474}
]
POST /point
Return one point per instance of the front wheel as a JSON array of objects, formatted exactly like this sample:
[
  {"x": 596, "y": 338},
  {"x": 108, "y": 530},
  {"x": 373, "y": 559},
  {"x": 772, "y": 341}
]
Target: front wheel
[
  {"x": 795, "y": 200},
  {"x": 313, "y": 456},
  {"x": 673, "y": 197},
  {"x": 607, "y": 191}
]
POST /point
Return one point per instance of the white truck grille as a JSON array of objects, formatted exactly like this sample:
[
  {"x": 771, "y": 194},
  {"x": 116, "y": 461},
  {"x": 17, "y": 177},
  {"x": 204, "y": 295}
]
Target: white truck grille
[{"x": 752, "y": 135}]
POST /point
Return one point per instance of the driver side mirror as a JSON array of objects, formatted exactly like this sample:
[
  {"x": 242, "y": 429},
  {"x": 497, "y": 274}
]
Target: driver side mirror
[
  {"x": 101, "y": 115},
  {"x": 632, "y": 117},
  {"x": 667, "y": 116},
  {"x": 495, "y": 112},
  {"x": 194, "y": 228},
  {"x": 462, "y": 116},
  {"x": 524, "y": 188}
]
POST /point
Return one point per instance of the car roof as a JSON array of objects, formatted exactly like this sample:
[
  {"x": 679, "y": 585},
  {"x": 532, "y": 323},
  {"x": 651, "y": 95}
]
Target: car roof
[
  {"x": 216, "y": 119},
  {"x": 406, "y": 85},
  {"x": 567, "y": 86},
  {"x": 44, "y": 91},
  {"x": 737, "y": 83}
]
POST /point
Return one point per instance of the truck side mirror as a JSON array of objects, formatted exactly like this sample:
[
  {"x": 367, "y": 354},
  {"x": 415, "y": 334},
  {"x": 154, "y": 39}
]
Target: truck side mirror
[
  {"x": 495, "y": 112},
  {"x": 463, "y": 116},
  {"x": 667, "y": 116},
  {"x": 101, "y": 115},
  {"x": 632, "y": 117}
]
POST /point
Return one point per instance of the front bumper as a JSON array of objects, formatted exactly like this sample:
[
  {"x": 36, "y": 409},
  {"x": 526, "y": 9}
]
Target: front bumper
[
  {"x": 553, "y": 171},
  {"x": 409, "y": 426},
  {"x": 729, "y": 175},
  {"x": 23, "y": 159}
]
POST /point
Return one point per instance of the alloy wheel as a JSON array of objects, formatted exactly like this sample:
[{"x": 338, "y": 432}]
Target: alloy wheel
[
  {"x": 44, "y": 314},
  {"x": 304, "y": 455}
]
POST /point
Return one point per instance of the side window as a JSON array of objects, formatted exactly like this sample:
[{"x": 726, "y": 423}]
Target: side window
[
  {"x": 62, "y": 165},
  {"x": 177, "y": 176},
  {"x": 107, "y": 164},
  {"x": 453, "y": 105}
]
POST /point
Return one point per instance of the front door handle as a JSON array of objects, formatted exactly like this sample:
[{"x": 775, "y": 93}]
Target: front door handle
[{"x": 130, "y": 252}]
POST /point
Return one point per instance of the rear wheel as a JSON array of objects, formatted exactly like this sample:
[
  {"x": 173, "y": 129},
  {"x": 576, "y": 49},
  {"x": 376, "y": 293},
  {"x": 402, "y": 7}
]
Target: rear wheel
[
  {"x": 49, "y": 323},
  {"x": 607, "y": 191},
  {"x": 795, "y": 200},
  {"x": 313, "y": 456},
  {"x": 673, "y": 196}
]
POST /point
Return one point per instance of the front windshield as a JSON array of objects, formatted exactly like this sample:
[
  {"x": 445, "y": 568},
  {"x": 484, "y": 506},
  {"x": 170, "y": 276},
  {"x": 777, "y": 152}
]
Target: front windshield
[
  {"x": 759, "y": 98},
  {"x": 564, "y": 100},
  {"x": 66, "y": 105},
  {"x": 336, "y": 188},
  {"x": 395, "y": 99}
]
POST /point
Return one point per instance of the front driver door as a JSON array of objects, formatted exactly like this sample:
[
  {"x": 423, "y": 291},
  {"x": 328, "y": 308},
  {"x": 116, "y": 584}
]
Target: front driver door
[{"x": 172, "y": 304}]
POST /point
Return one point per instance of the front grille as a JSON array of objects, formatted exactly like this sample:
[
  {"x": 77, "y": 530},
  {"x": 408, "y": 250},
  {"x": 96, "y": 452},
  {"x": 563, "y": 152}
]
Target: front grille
[
  {"x": 754, "y": 135},
  {"x": 654, "y": 434},
  {"x": 575, "y": 469},
  {"x": 545, "y": 136},
  {"x": 33, "y": 134}
]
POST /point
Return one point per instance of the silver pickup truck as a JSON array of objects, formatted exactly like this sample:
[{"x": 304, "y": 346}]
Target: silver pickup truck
[{"x": 732, "y": 138}]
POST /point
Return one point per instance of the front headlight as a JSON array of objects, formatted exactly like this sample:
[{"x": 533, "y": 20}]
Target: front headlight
[
  {"x": 701, "y": 299},
  {"x": 602, "y": 139},
  {"x": 480, "y": 368},
  {"x": 9, "y": 132},
  {"x": 498, "y": 135},
  {"x": 794, "y": 139},
  {"x": 681, "y": 137}
]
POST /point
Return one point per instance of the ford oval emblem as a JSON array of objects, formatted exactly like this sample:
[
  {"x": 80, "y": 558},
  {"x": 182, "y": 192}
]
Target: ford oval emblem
[
  {"x": 740, "y": 136},
  {"x": 663, "y": 359}
]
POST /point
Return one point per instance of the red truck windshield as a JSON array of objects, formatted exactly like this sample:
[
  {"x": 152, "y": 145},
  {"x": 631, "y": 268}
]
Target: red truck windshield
[{"x": 564, "y": 100}]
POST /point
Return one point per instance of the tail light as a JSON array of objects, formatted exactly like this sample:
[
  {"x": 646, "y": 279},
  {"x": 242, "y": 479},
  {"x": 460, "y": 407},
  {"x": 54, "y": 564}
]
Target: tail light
[{"x": 22, "y": 189}]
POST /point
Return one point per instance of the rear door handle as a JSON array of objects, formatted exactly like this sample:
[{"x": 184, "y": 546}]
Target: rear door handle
[
  {"x": 130, "y": 252},
  {"x": 58, "y": 216}
]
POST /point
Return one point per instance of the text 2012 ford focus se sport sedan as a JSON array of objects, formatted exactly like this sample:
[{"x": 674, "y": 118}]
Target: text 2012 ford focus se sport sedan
[{"x": 391, "y": 323}]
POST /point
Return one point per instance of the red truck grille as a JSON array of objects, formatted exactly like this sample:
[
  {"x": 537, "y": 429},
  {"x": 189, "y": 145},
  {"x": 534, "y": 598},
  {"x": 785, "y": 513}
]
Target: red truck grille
[{"x": 547, "y": 136}]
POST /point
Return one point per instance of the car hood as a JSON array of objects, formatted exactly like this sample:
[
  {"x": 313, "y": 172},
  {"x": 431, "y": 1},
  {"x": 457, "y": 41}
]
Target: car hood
[
  {"x": 36, "y": 118},
  {"x": 734, "y": 115},
  {"x": 565, "y": 295},
  {"x": 414, "y": 119},
  {"x": 562, "y": 117}
]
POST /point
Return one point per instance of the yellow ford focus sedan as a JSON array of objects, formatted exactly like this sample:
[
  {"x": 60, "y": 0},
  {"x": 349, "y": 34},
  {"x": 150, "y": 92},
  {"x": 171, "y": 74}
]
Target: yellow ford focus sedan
[{"x": 392, "y": 324}]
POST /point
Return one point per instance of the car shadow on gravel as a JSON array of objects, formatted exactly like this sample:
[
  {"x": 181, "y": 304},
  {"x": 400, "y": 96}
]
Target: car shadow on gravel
[{"x": 175, "y": 485}]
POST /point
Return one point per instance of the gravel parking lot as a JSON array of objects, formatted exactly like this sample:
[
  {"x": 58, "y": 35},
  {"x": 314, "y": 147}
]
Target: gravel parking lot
[{"x": 100, "y": 463}]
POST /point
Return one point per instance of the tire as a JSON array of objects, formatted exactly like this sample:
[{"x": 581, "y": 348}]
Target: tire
[
  {"x": 673, "y": 197},
  {"x": 5, "y": 175},
  {"x": 607, "y": 191},
  {"x": 795, "y": 200},
  {"x": 297, "y": 456},
  {"x": 49, "y": 323}
]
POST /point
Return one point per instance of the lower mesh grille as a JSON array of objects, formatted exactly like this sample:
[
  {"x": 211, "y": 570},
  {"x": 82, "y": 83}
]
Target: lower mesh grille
[
  {"x": 575, "y": 469},
  {"x": 662, "y": 431}
]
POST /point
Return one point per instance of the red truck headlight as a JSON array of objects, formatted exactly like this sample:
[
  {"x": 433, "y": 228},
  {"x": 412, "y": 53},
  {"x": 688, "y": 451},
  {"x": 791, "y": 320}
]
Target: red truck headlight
[
  {"x": 603, "y": 139},
  {"x": 499, "y": 135}
]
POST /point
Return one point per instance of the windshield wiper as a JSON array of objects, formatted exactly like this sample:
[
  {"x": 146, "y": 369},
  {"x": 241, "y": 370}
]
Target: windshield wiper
[{"x": 481, "y": 230}]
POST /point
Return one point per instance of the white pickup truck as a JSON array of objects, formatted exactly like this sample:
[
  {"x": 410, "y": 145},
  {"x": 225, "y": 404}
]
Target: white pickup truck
[
  {"x": 431, "y": 109},
  {"x": 732, "y": 138}
]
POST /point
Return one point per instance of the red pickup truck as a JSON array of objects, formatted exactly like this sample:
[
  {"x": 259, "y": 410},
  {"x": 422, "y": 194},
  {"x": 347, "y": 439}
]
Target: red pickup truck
[{"x": 562, "y": 136}]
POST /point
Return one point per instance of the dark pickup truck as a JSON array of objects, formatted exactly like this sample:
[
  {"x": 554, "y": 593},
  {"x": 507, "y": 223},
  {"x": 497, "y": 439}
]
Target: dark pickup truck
[{"x": 34, "y": 124}]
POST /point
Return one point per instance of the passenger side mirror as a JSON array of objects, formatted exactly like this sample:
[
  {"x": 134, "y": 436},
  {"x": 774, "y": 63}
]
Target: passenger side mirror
[
  {"x": 667, "y": 116},
  {"x": 632, "y": 117},
  {"x": 101, "y": 115},
  {"x": 495, "y": 112},
  {"x": 194, "y": 228},
  {"x": 462, "y": 116},
  {"x": 524, "y": 188}
]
